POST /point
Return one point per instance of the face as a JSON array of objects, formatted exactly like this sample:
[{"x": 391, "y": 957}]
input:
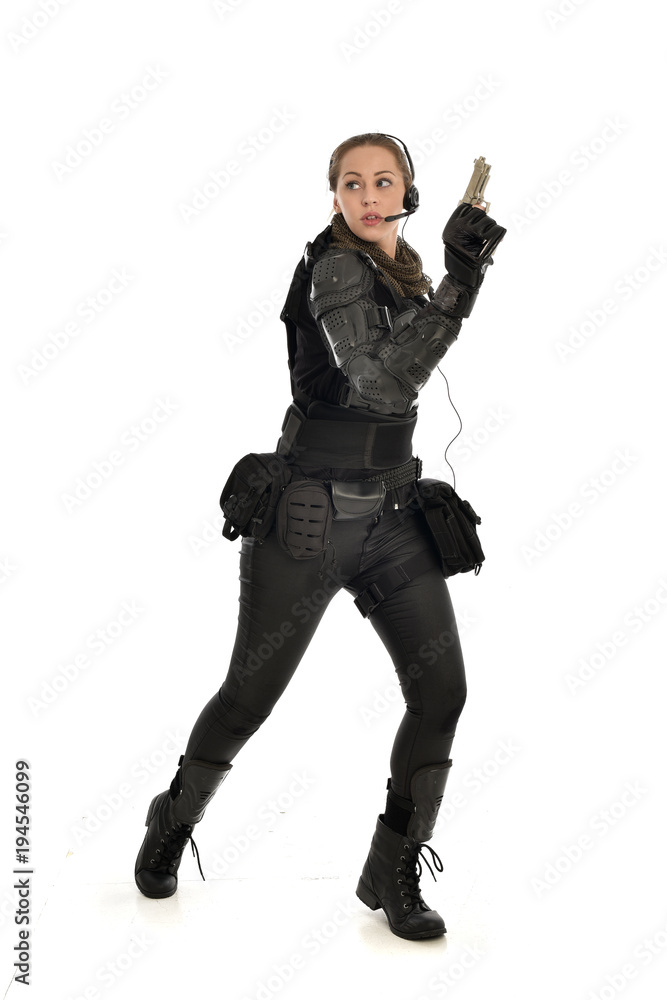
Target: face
[{"x": 370, "y": 184}]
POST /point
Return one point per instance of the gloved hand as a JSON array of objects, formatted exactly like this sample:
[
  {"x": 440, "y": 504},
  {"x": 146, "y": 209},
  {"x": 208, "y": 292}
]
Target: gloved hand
[{"x": 470, "y": 238}]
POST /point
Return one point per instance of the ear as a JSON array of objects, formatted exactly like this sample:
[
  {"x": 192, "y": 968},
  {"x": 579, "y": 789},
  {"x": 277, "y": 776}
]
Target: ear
[{"x": 336, "y": 206}]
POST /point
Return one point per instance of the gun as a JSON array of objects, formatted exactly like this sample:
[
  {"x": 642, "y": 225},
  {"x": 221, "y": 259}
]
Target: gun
[
  {"x": 480, "y": 239},
  {"x": 477, "y": 183}
]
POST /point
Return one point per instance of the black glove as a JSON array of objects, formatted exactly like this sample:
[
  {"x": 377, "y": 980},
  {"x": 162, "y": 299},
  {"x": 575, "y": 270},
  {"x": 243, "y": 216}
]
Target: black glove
[{"x": 470, "y": 238}]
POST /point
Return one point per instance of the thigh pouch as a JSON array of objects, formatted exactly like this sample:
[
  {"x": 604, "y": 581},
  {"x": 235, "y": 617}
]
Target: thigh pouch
[{"x": 308, "y": 506}]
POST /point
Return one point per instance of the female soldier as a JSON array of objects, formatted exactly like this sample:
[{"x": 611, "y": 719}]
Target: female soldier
[{"x": 365, "y": 331}]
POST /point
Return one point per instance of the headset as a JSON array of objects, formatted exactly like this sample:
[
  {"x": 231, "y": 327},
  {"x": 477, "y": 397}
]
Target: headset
[{"x": 411, "y": 196}]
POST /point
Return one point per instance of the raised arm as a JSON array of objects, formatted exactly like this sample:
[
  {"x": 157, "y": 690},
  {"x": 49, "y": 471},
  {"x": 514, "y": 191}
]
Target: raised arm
[
  {"x": 388, "y": 361},
  {"x": 385, "y": 361}
]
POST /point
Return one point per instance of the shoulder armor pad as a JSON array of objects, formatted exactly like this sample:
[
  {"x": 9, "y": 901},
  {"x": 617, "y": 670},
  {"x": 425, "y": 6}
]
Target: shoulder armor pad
[{"x": 338, "y": 278}]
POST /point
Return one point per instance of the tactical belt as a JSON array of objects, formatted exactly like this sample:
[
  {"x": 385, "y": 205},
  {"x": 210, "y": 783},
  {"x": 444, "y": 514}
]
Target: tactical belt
[
  {"x": 350, "y": 444},
  {"x": 400, "y": 482},
  {"x": 400, "y": 475}
]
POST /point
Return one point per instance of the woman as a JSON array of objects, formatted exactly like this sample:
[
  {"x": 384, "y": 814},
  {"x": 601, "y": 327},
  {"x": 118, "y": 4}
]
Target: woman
[{"x": 365, "y": 331}]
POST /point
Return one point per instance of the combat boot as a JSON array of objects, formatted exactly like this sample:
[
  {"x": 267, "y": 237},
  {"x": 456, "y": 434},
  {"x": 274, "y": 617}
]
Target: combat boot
[
  {"x": 391, "y": 873},
  {"x": 171, "y": 816}
]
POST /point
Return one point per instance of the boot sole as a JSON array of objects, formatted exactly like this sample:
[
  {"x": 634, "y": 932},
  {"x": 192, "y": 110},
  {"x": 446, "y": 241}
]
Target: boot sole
[
  {"x": 370, "y": 899},
  {"x": 152, "y": 895}
]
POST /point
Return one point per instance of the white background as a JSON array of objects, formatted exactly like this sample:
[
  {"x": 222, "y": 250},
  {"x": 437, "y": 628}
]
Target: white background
[{"x": 568, "y": 109}]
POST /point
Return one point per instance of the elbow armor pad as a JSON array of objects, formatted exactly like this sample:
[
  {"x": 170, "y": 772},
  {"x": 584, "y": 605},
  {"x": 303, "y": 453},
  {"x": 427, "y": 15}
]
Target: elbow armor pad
[{"x": 420, "y": 347}]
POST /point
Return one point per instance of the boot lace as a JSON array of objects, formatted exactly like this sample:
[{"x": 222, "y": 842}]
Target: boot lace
[
  {"x": 413, "y": 871},
  {"x": 172, "y": 848}
]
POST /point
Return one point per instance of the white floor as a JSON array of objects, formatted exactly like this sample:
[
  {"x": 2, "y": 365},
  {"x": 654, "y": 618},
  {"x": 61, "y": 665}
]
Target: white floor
[
  {"x": 284, "y": 920},
  {"x": 529, "y": 911}
]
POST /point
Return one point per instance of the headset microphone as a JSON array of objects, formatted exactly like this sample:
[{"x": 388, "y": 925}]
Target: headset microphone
[{"x": 392, "y": 218}]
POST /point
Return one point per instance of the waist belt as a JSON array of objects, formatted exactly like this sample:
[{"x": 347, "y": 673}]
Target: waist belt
[
  {"x": 351, "y": 444},
  {"x": 400, "y": 483},
  {"x": 401, "y": 475}
]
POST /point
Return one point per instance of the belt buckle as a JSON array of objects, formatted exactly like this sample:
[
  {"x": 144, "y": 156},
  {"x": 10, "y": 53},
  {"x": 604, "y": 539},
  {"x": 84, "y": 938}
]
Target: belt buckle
[
  {"x": 294, "y": 421},
  {"x": 369, "y": 599}
]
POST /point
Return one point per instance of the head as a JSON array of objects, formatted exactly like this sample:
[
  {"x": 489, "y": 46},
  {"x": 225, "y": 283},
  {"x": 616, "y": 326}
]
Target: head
[{"x": 369, "y": 174}]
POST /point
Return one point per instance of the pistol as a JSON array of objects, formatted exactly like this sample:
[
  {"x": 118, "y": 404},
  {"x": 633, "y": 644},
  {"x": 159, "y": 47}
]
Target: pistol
[{"x": 477, "y": 183}]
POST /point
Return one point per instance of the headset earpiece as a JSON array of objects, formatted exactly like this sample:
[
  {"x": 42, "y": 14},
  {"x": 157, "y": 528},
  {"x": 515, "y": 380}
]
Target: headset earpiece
[{"x": 411, "y": 196}]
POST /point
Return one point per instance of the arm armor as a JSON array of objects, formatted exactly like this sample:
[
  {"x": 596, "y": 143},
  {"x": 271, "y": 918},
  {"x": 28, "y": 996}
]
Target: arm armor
[{"x": 385, "y": 361}]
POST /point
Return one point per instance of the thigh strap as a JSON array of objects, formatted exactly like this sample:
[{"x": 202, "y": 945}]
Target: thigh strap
[{"x": 391, "y": 580}]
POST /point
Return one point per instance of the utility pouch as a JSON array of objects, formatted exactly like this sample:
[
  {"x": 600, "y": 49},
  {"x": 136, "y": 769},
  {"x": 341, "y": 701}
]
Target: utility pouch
[
  {"x": 453, "y": 524},
  {"x": 357, "y": 498},
  {"x": 303, "y": 518},
  {"x": 251, "y": 494}
]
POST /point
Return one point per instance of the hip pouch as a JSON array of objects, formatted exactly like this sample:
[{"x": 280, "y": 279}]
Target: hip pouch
[
  {"x": 357, "y": 498},
  {"x": 251, "y": 494},
  {"x": 303, "y": 518},
  {"x": 453, "y": 524}
]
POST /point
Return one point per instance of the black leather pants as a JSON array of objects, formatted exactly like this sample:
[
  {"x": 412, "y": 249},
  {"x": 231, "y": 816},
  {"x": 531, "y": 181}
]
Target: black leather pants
[{"x": 282, "y": 600}]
